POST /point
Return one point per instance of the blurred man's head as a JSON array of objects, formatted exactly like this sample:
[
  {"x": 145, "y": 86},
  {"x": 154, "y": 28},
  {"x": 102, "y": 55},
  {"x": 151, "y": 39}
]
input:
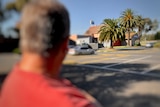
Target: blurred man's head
[
  {"x": 44, "y": 27},
  {"x": 44, "y": 34}
]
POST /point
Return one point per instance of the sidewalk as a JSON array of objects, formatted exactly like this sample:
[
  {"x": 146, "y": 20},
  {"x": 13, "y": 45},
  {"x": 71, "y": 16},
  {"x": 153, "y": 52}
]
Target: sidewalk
[
  {"x": 7, "y": 60},
  {"x": 120, "y": 48}
]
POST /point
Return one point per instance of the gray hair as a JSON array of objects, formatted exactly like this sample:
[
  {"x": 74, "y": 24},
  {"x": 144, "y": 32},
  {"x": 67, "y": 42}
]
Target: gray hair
[{"x": 44, "y": 26}]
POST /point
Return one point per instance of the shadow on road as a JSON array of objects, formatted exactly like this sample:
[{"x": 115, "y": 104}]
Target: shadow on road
[
  {"x": 109, "y": 87},
  {"x": 114, "y": 89}
]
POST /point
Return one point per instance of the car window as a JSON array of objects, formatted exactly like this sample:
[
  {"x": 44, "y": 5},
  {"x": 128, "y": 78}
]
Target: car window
[
  {"x": 89, "y": 47},
  {"x": 76, "y": 47},
  {"x": 84, "y": 48}
]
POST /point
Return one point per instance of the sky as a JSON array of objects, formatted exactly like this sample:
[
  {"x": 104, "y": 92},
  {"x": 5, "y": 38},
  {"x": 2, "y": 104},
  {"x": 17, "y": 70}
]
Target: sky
[{"x": 82, "y": 11}]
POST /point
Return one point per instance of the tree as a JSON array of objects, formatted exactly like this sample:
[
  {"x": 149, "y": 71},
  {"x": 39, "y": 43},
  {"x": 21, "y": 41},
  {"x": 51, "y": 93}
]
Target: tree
[
  {"x": 150, "y": 25},
  {"x": 1, "y": 12},
  {"x": 140, "y": 23},
  {"x": 2, "y": 17},
  {"x": 17, "y": 5},
  {"x": 121, "y": 33},
  {"x": 111, "y": 31},
  {"x": 157, "y": 36},
  {"x": 128, "y": 21},
  {"x": 145, "y": 24},
  {"x": 154, "y": 24}
]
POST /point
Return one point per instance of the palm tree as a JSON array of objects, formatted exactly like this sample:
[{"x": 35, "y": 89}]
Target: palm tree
[
  {"x": 110, "y": 31},
  {"x": 140, "y": 24},
  {"x": 128, "y": 21},
  {"x": 121, "y": 33}
]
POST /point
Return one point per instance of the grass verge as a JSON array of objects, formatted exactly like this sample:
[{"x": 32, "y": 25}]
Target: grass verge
[{"x": 157, "y": 44}]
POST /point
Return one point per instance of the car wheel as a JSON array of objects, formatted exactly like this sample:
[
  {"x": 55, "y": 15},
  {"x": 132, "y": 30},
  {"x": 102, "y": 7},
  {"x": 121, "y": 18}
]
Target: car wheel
[
  {"x": 92, "y": 52},
  {"x": 80, "y": 53}
]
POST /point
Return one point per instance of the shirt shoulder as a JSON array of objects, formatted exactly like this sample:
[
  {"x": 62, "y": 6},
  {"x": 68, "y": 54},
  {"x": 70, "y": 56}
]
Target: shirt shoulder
[
  {"x": 42, "y": 91},
  {"x": 69, "y": 93}
]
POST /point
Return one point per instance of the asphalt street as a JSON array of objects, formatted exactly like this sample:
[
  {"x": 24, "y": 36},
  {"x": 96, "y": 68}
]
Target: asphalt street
[
  {"x": 123, "y": 78},
  {"x": 134, "y": 60},
  {"x": 128, "y": 77}
]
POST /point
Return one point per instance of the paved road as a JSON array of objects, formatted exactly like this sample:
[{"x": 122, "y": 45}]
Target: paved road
[
  {"x": 135, "y": 60},
  {"x": 7, "y": 60},
  {"x": 123, "y": 78}
]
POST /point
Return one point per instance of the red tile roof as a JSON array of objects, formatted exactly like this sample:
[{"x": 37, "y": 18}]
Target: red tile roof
[{"x": 92, "y": 30}]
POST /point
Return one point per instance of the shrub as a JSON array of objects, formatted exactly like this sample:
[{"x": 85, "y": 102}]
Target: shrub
[
  {"x": 137, "y": 43},
  {"x": 157, "y": 36},
  {"x": 17, "y": 51},
  {"x": 157, "y": 45}
]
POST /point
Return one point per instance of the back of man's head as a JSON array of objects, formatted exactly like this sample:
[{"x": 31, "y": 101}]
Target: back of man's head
[{"x": 44, "y": 26}]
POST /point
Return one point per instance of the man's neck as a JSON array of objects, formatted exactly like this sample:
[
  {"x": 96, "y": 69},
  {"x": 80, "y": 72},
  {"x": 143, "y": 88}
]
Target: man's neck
[{"x": 31, "y": 62}]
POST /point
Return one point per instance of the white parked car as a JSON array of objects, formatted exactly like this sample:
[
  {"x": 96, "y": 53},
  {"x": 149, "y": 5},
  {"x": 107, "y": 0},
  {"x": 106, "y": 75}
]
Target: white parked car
[
  {"x": 149, "y": 45},
  {"x": 81, "y": 50}
]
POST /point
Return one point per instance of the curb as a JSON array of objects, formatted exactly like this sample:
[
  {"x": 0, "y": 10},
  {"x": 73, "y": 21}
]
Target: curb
[
  {"x": 69, "y": 62},
  {"x": 107, "y": 50}
]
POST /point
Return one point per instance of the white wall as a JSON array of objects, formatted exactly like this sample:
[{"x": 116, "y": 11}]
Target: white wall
[
  {"x": 107, "y": 44},
  {"x": 83, "y": 40}
]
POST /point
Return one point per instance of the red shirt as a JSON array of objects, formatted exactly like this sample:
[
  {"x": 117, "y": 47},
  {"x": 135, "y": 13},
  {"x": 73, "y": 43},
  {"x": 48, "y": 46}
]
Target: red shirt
[{"x": 27, "y": 89}]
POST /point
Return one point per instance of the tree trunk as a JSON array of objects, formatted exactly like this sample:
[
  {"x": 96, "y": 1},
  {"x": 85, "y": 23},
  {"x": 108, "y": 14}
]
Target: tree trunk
[
  {"x": 129, "y": 37},
  {"x": 139, "y": 35},
  {"x": 111, "y": 44}
]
